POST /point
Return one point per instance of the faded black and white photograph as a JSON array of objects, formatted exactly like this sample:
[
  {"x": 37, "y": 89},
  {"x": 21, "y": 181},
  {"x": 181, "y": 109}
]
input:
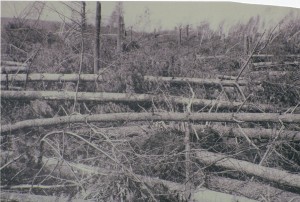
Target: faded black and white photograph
[{"x": 132, "y": 101}]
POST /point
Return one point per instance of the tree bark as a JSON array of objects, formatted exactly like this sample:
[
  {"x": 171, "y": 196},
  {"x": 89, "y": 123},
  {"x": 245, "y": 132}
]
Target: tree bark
[
  {"x": 9, "y": 196},
  {"x": 119, "y": 38},
  {"x": 251, "y": 132},
  {"x": 83, "y": 16},
  {"x": 225, "y": 77},
  {"x": 271, "y": 64},
  {"x": 184, "y": 80},
  {"x": 9, "y": 69},
  {"x": 271, "y": 174},
  {"x": 265, "y": 55},
  {"x": 50, "y": 77},
  {"x": 213, "y": 117},
  {"x": 179, "y": 36},
  {"x": 224, "y": 131},
  {"x": 13, "y": 63},
  {"x": 97, "y": 39},
  {"x": 188, "y": 182},
  {"x": 124, "y": 97},
  {"x": 250, "y": 189}
]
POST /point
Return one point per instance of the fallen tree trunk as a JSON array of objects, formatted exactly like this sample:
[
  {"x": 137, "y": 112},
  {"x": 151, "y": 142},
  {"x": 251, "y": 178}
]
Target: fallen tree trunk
[
  {"x": 184, "y": 80},
  {"x": 251, "y": 189},
  {"x": 271, "y": 74},
  {"x": 266, "y": 55},
  {"x": 11, "y": 87},
  {"x": 204, "y": 194},
  {"x": 262, "y": 56},
  {"x": 252, "y": 132},
  {"x": 10, "y": 196},
  {"x": 271, "y": 174},
  {"x": 271, "y": 64},
  {"x": 50, "y": 77},
  {"x": 253, "y": 56},
  {"x": 224, "y": 131},
  {"x": 200, "y": 57},
  {"x": 126, "y": 97},
  {"x": 8, "y": 69},
  {"x": 113, "y": 117},
  {"x": 12, "y": 63},
  {"x": 225, "y": 77}
]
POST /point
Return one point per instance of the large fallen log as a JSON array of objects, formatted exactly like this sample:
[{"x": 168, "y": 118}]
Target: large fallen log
[
  {"x": 50, "y": 77},
  {"x": 204, "y": 194},
  {"x": 266, "y": 55},
  {"x": 262, "y": 56},
  {"x": 251, "y": 189},
  {"x": 184, "y": 80},
  {"x": 270, "y": 74},
  {"x": 183, "y": 117},
  {"x": 226, "y": 77},
  {"x": 271, "y": 64},
  {"x": 201, "y": 57},
  {"x": 126, "y": 97},
  {"x": 9, "y": 69},
  {"x": 253, "y": 56},
  {"x": 10, "y": 87},
  {"x": 12, "y": 63},
  {"x": 10, "y": 196},
  {"x": 271, "y": 174},
  {"x": 224, "y": 131}
]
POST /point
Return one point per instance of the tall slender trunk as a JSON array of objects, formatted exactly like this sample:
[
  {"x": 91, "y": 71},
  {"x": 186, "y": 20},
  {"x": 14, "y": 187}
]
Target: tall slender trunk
[{"x": 97, "y": 39}]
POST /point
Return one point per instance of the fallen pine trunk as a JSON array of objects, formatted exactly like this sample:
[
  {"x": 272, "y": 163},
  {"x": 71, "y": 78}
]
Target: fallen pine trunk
[
  {"x": 12, "y": 63},
  {"x": 10, "y": 196},
  {"x": 8, "y": 69},
  {"x": 225, "y": 77},
  {"x": 271, "y": 174},
  {"x": 251, "y": 189},
  {"x": 270, "y": 74},
  {"x": 50, "y": 77},
  {"x": 11, "y": 87},
  {"x": 271, "y": 64},
  {"x": 184, "y": 117},
  {"x": 262, "y": 56},
  {"x": 252, "y": 132},
  {"x": 200, "y": 57},
  {"x": 126, "y": 97},
  {"x": 184, "y": 80},
  {"x": 204, "y": 194},
  {"x": 224, "y": 131},
  {"x": 266, "y": 55}
]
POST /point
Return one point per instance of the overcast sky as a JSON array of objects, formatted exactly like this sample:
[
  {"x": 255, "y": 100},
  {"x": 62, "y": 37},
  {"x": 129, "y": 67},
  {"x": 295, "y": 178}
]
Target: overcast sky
[{"x": 166, "y": 15}]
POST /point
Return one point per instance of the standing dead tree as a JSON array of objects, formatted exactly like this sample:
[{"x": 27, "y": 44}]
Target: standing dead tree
[
  {"x": 97, "y": 39},
  {"x": 83, "y": 16}
]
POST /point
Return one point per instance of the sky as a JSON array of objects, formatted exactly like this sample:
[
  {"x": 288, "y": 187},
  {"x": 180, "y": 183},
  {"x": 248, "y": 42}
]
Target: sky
[{"x": 150, "y": 15}]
